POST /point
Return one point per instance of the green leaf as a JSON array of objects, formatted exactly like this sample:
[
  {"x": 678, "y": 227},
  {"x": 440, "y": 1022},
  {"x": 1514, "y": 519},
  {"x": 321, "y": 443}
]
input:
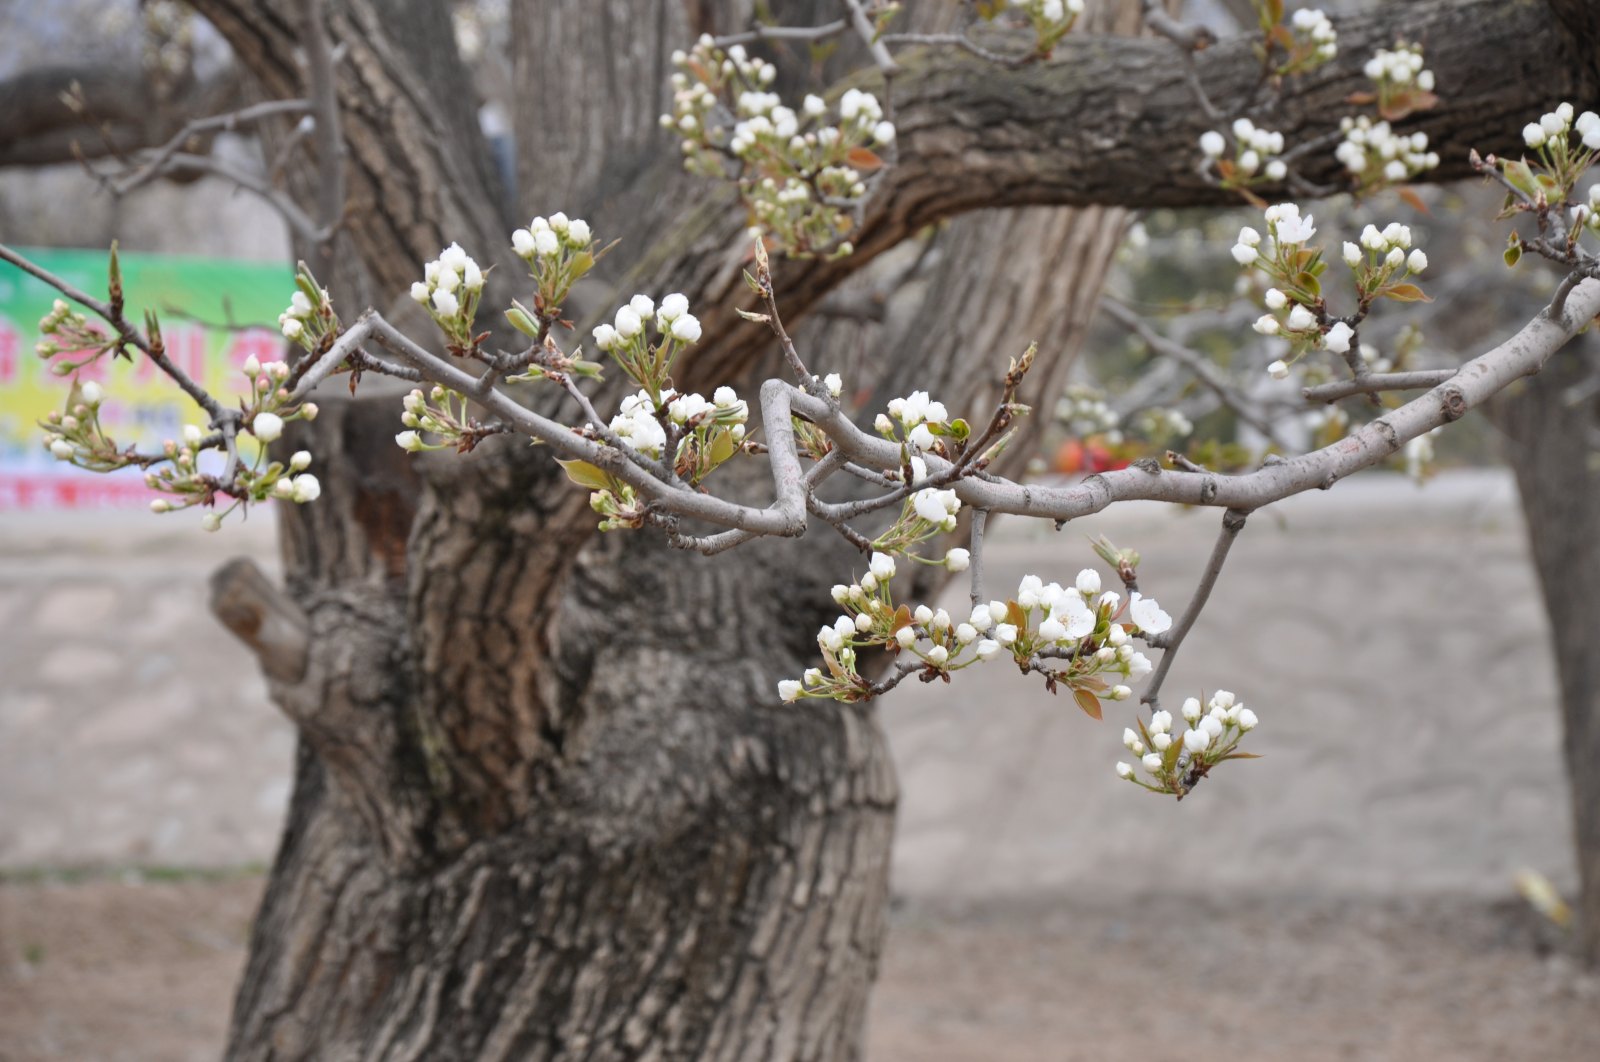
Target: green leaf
[
  {"x": 1513, "y": 254},
  {"x": 308, "y": 284},
  {"x": 1520, "y": 174},
  {"x": 522, "y": 320},
  {"x": 722, "y": 447},
  {"x": 586, "y": 475}
]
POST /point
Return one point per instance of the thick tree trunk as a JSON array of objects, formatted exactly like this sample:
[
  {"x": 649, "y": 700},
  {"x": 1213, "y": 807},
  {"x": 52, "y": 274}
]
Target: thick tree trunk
[
  {"x": 1551, "y": 445},
  {"x": 546, "y": 803}
]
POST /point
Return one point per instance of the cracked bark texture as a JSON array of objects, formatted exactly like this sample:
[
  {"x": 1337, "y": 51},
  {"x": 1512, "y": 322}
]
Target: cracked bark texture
[{"x": 546, "y": 805}]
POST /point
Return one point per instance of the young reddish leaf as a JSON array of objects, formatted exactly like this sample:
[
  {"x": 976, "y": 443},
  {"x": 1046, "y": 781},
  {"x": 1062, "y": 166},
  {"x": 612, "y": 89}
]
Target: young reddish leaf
[
  {"x": 1414, "y": 200},
  {"x": 1015, "y": 616},
  {"x": 1241, "y": 756},
  {"x": 1407, "y": 293},
  {"x": 1360, "y": 99},
  {"x": 863, "y": 159},
  {"x": 1088, "y": 702},
  {"x": 902, "y": 618}
]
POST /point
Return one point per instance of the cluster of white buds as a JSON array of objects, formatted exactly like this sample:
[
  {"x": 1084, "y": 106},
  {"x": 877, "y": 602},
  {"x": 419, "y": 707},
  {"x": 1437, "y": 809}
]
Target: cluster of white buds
[
  {"x": 1084, "y": 411},
  {"x": 1403, "y": 85},
  {"x": 1382, "y": 265},
  {"x": 1399, "y": 67},
  {"x": 628, "y": 342},
  {"x": 1287, "y": 232},
  {"x": 799, "y": 172},
  {"x": 1255, "y": 158},
  {"x": 309, "y": 321},
  {"x": 1051, "y": 19},
  {"x": 1173, "y": 764},
  {"x": 925, "y": 514},
  {"x": 441, "y": 412},
  {"x": 639, "y": 426},
  {"x": 1376, "y": 155},
  {"x": 256, "y": 479},
  {"x": 450, "y": 289},
  {"x": 70, "y": 332},
  {"x": 709, "y": 431},
  {"x": 75, "y": 436},
  {"x": 1383, "y": 270},
  {"x": 1587, "y": 215},
  {"x": 919, "y": 419},
  {"x": 1087, "y": 632},
  {"x": 559, "y": 251},
  {"x": 1565, "y": 144},
  {"x": 1313, "y": 30},
  {"x": 1161, "y": 425},
  {"x": 1556, "y": 126},
  {"x": 1087, "y": 629}
]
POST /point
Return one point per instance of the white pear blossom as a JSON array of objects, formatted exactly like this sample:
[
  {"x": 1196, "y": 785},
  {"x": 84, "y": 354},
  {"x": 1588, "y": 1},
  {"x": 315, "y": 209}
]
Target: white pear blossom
[
  {"x": 1148, "y": 614},
  {"x": 266, "y": 426},
  {"x": 1338, "y": 337}
]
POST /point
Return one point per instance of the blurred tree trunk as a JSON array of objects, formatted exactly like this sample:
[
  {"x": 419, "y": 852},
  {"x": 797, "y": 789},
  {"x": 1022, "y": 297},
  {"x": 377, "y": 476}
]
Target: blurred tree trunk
[
  {"x": 1551, "y": 431},
  {"x": 546, "y": 803}
]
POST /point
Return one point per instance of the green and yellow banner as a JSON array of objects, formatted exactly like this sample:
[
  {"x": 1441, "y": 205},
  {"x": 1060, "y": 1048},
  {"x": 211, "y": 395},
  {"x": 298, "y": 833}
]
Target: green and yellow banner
[{"x": 214, "y": 315}]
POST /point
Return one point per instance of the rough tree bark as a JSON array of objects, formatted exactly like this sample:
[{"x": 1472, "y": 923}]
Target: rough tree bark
[
  {"x": 1551, "y": 430},
  {"x": 545, "y": 806}
]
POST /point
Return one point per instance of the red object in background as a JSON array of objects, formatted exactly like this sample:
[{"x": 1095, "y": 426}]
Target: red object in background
[
  {"x": 1073, "y": 456},
  {"x": 23, "y": 492}
]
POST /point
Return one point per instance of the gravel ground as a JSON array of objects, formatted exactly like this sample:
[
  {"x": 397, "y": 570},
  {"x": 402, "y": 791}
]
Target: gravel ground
[
  {"x": 1348, "y": 896},
  {"x": 117, "y": 972}
]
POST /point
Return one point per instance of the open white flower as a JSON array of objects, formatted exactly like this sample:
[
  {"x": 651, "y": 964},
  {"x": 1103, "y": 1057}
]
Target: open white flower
[{"x": 1147, "y": 614}]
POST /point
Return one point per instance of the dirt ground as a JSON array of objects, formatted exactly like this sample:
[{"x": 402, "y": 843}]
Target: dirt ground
[
  {"x": 125, "y": 972},
  {"x": 1348, "y": 896}
]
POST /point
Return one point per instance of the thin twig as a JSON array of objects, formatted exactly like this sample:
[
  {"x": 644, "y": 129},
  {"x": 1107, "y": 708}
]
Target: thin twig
[
  {"x": 151, "y": 167},
  {"x": 1194, "y": 362},
  {"x": 1232, "y": 523},
  {"x": 869, "y": 36}
]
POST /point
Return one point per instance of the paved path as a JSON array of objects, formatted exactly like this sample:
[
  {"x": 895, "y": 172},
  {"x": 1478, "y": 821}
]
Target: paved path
[{"x": 1391, "y": 642}]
